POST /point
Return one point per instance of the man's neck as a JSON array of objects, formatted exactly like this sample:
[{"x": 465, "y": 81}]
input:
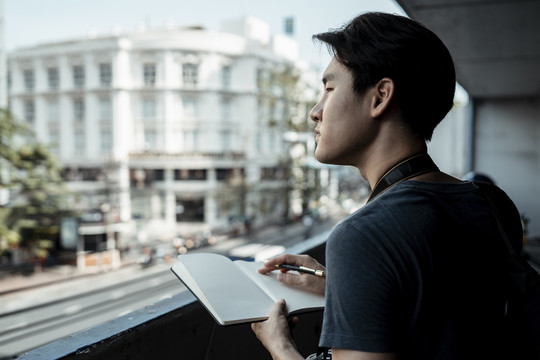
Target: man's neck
[{"x": 382, "y": 159}]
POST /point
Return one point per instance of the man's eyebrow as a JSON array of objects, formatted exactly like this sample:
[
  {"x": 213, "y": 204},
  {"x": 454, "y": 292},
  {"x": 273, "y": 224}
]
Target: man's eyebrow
[{"x": 328, "y": 77}]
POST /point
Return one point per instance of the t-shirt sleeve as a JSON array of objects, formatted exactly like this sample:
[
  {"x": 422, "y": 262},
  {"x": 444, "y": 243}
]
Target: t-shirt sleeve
[{"x": 361, "y": 299}]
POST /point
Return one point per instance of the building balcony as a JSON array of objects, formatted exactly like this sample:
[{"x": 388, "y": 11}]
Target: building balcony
[
  {"x": 162, "y": 155},
  {"x": 179, "y": 327}
]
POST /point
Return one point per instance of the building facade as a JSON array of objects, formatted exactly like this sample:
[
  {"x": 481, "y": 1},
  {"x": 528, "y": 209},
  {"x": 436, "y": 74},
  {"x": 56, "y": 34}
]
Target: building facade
[
  {"x": 3, "y": 72},
  {"x": 161, "y": 132}
]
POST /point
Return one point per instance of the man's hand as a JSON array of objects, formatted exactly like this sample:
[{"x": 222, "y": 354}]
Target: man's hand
[
  {"x": 275, "y": 334},
  {"x": 310, "y": 282}
]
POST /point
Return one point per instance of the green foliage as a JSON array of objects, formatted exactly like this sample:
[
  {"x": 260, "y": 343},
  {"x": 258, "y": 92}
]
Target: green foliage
[
  {"x": 282, "y": 93},
  {"x": 286, "y": 97},
  {"x": 31, "y": 219},
  {"x": 8, "y": 128}
]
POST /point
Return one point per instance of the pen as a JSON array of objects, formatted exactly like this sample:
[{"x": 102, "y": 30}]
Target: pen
[{"x": 302, "y": 269}]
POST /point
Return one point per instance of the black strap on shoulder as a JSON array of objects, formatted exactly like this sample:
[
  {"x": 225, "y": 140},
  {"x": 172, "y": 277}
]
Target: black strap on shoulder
[
  {"x": 413, "y": 166},
  {"x": 485, "y": 189},
  {"x": 522, "y": 275}
]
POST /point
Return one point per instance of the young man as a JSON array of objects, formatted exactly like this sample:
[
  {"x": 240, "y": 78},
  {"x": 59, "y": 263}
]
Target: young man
[{"x": 415, "y": 273}]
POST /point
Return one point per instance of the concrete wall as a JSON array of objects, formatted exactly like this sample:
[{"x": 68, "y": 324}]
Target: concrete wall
[
  {"x": 507, "y": 147},
  {"x": 503, "y": 143},
  {"x": 448, "y": 146}
]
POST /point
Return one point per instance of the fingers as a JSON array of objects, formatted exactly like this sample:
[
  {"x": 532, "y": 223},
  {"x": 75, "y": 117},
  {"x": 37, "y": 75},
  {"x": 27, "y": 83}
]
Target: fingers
[
  {"x": 275, "y": 334},
  {"x": 273, "y": 263},
  {"x": 291, "y": 259},
  {"x": 309, "y": 282},
  {"x": 292, "y": 322},
  {"x": 292, "y": 279},
  {"x": 278, "y": 311},
  {"x": 280, "y": 307}
]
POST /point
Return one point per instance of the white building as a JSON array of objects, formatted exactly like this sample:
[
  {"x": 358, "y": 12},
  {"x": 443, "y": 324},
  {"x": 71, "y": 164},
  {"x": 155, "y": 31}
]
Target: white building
[
  {"x": 3, "y": 72},
  {"x": 4, "y": 193},
  {"x": 164, "y": 130}
]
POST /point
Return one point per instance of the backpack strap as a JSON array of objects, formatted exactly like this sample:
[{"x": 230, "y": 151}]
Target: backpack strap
[{"x": 522, "y": 275}]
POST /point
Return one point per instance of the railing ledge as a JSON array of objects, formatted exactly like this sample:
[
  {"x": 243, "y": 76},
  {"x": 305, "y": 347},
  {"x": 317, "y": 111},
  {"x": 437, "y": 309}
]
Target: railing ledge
[
  {"x": 86, "y": 341},
  {"x": 178, "y": 327}
]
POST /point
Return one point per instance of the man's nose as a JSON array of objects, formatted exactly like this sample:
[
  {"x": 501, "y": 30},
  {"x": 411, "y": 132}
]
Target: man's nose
[{"x": 316, "y": 112}]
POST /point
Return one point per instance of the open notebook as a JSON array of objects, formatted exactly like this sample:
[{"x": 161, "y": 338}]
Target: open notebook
[{"x": 234, "y": 292}]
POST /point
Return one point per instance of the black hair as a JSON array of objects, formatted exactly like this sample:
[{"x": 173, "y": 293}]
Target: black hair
[{"x": 377, "y": 45}]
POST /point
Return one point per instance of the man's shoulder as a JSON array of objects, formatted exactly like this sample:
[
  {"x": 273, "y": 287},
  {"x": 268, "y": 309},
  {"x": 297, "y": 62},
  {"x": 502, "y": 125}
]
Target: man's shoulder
[
  {"x": 415, "y": 188},
  {"x": 411, "y": 202}
]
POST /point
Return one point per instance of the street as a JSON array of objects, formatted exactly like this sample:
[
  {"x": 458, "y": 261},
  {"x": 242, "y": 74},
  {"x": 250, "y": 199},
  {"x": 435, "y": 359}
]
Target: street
[
  {"x": 39, "y": 315},
  {"x": 35, "y": 317}
]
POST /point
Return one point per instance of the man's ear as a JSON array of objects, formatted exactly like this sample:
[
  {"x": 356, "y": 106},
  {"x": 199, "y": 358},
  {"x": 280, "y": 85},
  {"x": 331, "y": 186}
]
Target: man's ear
[{"x": 383, "y": 95}]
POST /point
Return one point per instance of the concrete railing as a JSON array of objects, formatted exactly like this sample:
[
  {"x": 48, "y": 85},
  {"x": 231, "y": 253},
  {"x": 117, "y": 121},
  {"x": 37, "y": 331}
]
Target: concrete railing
[{"x": 180, "y": 328}]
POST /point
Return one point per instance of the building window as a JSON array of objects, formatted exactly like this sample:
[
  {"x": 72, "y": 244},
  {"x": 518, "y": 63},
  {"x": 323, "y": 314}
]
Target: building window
[
  {"x": 29, "y": 80},
  {"x": 150, "y": 138},
  {"x": 260, "y": 77},
  {"x": 29, "y": 111},
  {"x": 78, "y": 76},
  {"x": 224, "y": 174},
  {"x": 159, "y": 174},
  {"x": 141, "y": 178},
  {"x": 190, "y": 108},
  {"x": 191, "y": 140},
  {"x": 54, "y": 137},
  {"x": 53, "y": 120},
  {"x": 105, "y": 139},
  {"x": 90, "y": 174},
  {"x": 226, "y": 110},
  {"x": 78, "y": 109},
  {"x": 105, "y": 109},
  {"x": 269, "y": 173},
  {"x": 272, "y": 141},
  {"x": 226, "y": 77},
  {"x": 148, "y": 110},
  {"x": 53, "y": 115},
  {"x": 258, "y": 141},
  {"x": 79, "y": 141},
  {"x": 272, "y": 114},
  {"x": 149, "y": 74},
  {"x": 105, "y": 75},
  {"x": 190, "y": 210},
  {"x": 53, "y": 78},
  {"x": 190, "y": 174},
  {"x": 260, "y": 111},
  {"x": 190, "y": 74},
  {"x": 225, "y": 140}
]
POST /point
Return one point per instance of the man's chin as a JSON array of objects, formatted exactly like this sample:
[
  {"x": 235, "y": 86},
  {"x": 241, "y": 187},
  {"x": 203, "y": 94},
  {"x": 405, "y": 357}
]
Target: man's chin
[
  {"x": 323, "y": 159},
  {"x": 331, "y": 160}
]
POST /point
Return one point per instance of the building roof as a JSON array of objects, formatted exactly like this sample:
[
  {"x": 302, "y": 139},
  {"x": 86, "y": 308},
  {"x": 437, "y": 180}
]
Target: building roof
[{"x": 232, "y": 41}]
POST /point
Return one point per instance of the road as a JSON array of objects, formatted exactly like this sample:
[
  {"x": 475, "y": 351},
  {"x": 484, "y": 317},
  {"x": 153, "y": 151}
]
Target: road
[
  {"x": 34, "y": 317},
  {"x": 79, "y": 304}
]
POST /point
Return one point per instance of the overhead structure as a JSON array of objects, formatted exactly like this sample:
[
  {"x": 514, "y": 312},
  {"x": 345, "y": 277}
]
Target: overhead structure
[{"x": 495, "y": 43}]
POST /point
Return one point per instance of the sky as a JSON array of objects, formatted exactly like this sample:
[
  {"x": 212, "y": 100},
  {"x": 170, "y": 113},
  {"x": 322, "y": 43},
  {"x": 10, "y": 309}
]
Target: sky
[{"x": 30, "y": 22}]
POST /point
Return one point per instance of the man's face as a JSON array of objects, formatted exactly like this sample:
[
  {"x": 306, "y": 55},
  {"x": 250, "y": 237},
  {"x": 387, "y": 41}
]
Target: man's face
[{"x": 344, "y": 128}]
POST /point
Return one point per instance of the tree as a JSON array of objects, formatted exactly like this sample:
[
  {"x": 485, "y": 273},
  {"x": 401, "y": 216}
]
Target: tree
[
  {"x": 285, "y": 96},
  {"x": 291, "y": 89},
  {"x": 30, "y": 221}
]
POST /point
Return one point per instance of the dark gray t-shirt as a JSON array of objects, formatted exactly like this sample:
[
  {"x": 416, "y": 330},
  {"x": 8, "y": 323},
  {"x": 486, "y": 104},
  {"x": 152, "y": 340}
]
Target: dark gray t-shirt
[{"x": 417, "y": 271}]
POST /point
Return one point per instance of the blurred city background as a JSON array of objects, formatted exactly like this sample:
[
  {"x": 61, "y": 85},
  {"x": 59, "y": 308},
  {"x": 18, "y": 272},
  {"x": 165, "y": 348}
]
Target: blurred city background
[{"x": 135, "y": 131}]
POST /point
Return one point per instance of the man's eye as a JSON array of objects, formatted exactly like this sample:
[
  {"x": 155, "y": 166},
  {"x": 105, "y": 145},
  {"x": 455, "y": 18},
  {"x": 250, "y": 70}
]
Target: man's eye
[{"x": 328, "y": 89}]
